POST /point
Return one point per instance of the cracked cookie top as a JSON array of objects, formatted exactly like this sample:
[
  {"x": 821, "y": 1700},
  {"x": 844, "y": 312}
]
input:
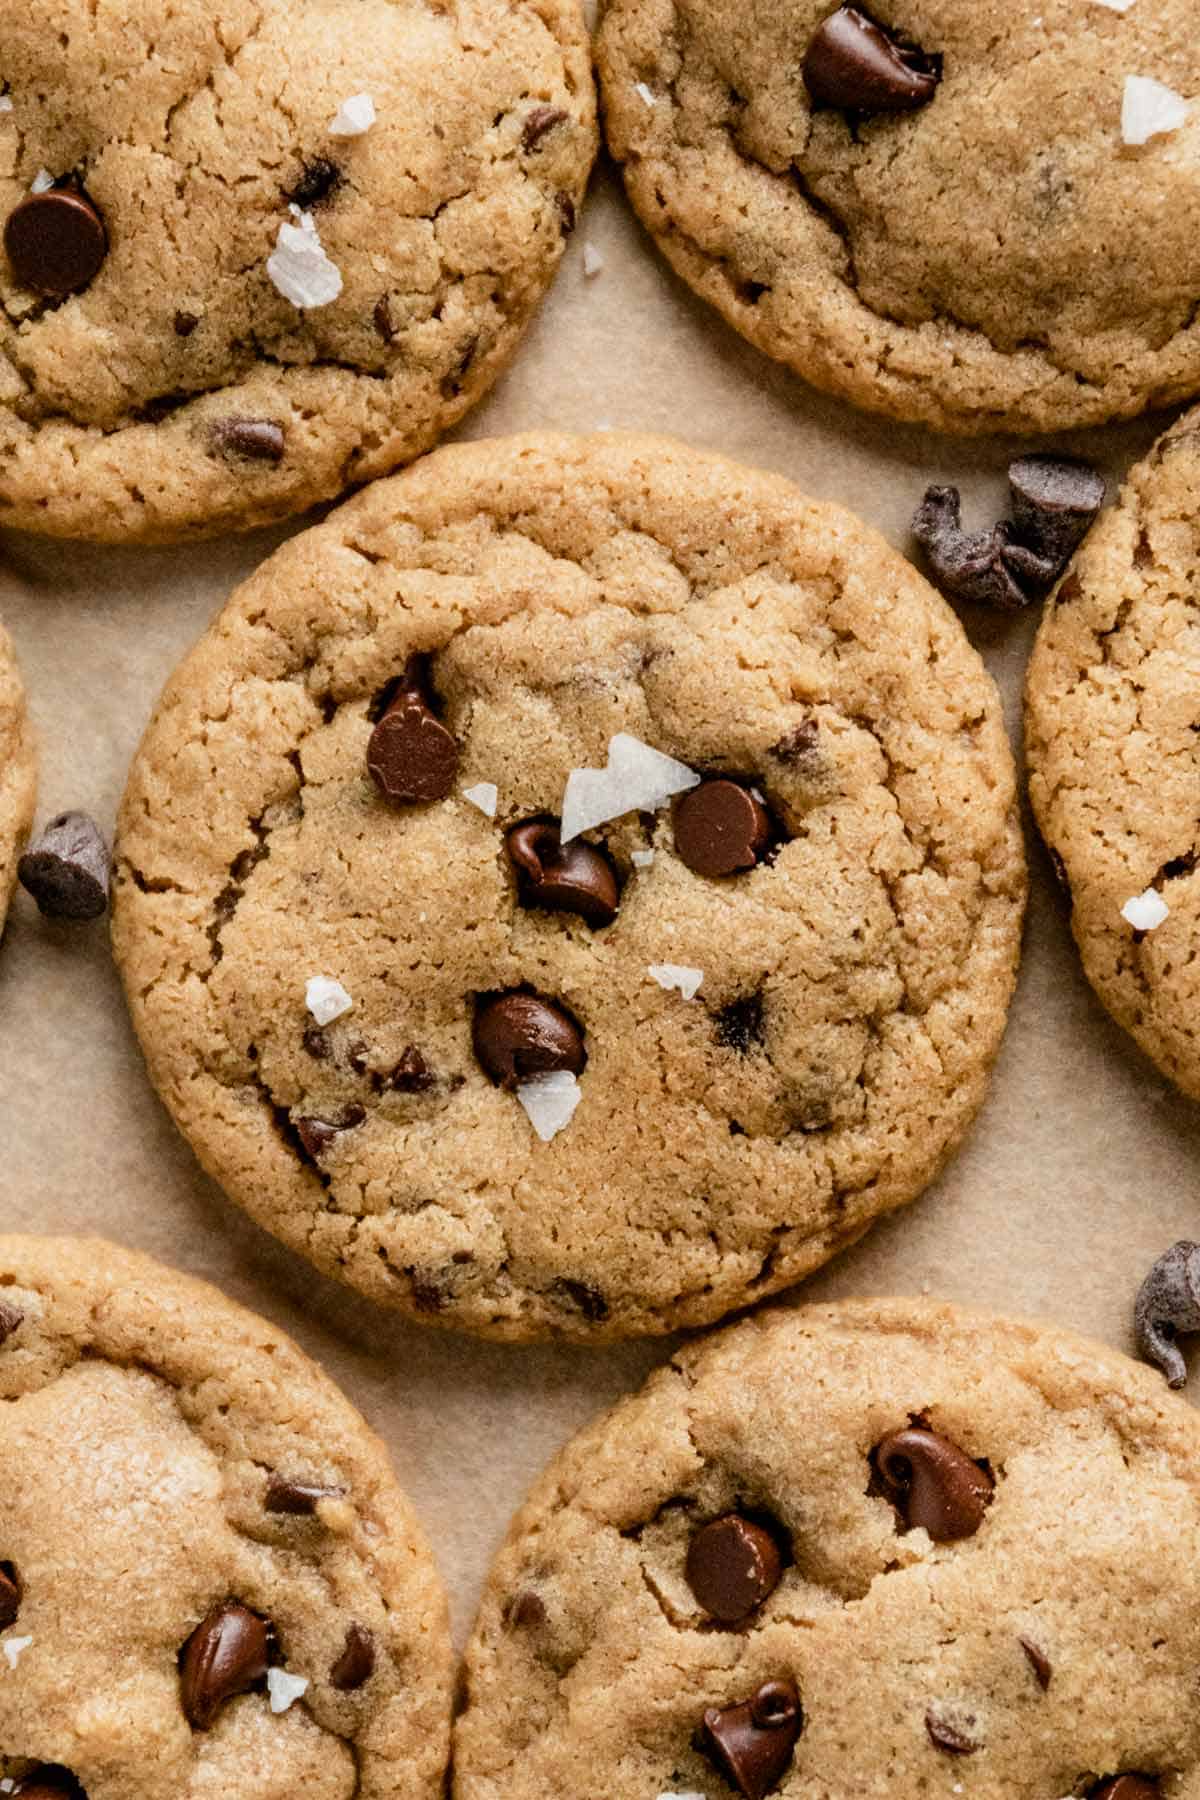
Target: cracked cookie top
[
  {"x": 1113, "y": 741},
  {"x": 210, "y": 1584},
  {"x": 574, "y": 889},
  {"x": 18, "y": 771},
  {"x": 938, "y": 209},
  {"x": 764, "y": 1574},
  {"x": 256, "y": 252}
]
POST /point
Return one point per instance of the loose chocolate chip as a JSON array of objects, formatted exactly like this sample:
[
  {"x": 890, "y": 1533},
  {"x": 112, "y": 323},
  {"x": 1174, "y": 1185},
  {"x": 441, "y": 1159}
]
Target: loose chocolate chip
[
  {"x": 10, "y": 1596},
  {"x": 1038, "y": 1662},
  {"x": 1055, "y": 500},
  {"x": 318, "y": 1134},
  {"x": 751, "y": 1742},
  {"x": 56, "y": 241},
  {"x": 411, "y": 757},
  {"x": 855, "y": 64},
  {"x": 356, "y": 1663},
  {"x": 732, "y": 1565},
  {"x": 318, "y": 181},
  {"x": 185, "y": 324},
  {"x": 951, "y": 1735},
  {"x": 1125, "y": 1787},
  {"x": 227, "y": 1654},
  {"x": 517, "y": 1035},
  {"x": 67, "y": 868},
  {"x": 932, "y": 1483},
  {"x": 740, "y": 1024},
  {"x": 411, "y": 1074},
  {"x": 11, "y": 1318},
  {"x": 300, "y": 1498},
  {"x": 1168, "y": 1303},
  {"x": 49, "y": 1782},
  {"x": 721, "y": 828},
  {"x": 578, "y": 879},
  {"x": 526, "y": 1610},
  {"x": 979, "y": 567},
  {"x": 566, "y": 212},
  {"x": 541, "y": 120},
  {"x": 258, "y": 440}
]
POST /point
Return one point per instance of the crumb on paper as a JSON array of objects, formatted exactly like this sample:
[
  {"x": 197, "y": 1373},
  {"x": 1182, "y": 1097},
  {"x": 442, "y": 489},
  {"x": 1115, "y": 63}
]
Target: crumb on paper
[
  {"x": 1149, "y": 109},
  {"x": 353, "y": 117},
  {"x": 15, "y": 1648},
  {"x": 298, "y": 266},
  {"x": 641, "y": 859},
  {"x": 677, "y": 975},
  {"x": 636, "y": 778},
  {"x": 485, "y": 795},
  {"x": 326, "y": 999},
  {"x": 593, "y": 261},
  {"x": 285, "y": 1689},
  {"x": 1145, "y": 912},
  {"x": 549, "y": 1101}
]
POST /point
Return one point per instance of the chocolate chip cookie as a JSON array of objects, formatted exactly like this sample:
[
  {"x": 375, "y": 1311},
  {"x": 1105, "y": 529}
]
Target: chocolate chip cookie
[
  {"x": 252, "y": 254},
  {"x": 877, "y": 1548},
  {"x": 17, "y": 770},
  {"x": 575, "y": 889},
  {"x": 210, "y": 1584},
  {"x": 977, "y": 215},
  {"x": 1113, "y": 740}
]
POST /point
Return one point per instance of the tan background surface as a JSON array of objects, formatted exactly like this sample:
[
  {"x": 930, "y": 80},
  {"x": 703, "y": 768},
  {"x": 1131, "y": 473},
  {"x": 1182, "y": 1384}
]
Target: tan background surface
[{"x": 1080, "y": 1171}]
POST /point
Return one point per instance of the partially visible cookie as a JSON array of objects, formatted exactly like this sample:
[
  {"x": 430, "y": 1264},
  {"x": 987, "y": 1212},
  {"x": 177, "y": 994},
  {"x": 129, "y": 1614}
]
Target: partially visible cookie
[
  {"x": 1113, "y": 742},
  {"x": 879, "y": 1548},
  {"x": 255, "y": 254},
  {"x": 210, "y": 1583},
  {"x": 18, "y": 770},
  {"x": 575, "y": 889},
  {"x": 933, "y": 208}
]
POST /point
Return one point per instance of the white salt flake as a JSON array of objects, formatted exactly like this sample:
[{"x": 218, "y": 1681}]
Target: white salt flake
[
  {"x": 645, "y": 94},
  {"x": 353, "y": 117},
  {"x": 550, "y": 1101},
  {"x": 15, "y": 1648},
  {"x": 1145, "y": 911},
  {"x": 1116, "y": 5},
  {"x": 677, "y": 975},
  {"x": 641, "y": 859},
  {"x": 285, "y": 1689},
  {"x": 326, "y": 999},
  {"x": 299, "y": 267},
  {"x": 636, "y": 779},
  {"x": 42, "y": 182},
  {"x": 5, "y": 103},
  {"x": 687, "y": 1796},
  {"x": 593, "y": 261},
  {"x": 1150, "y": 110},
  {"x": 484, "y": 795}
]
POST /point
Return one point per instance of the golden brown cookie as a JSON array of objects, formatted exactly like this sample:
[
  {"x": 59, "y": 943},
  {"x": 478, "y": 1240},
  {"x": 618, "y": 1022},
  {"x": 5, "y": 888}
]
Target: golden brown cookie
[
  {"x": 18, "y": 770},
  {"x": 210, "y": 1583},
  {"x": 884, "y": 1548},
  {"x": 575, "y": 889},
  {"x": 938, "y": 209},
  {"x": 253, "y": 254}
]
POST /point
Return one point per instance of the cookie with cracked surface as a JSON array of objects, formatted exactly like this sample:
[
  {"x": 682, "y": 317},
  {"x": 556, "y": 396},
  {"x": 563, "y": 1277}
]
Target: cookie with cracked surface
[
  {"x": 915, "y": 204},
  {"x": 287, "y": 245},
  {"x": 210, "y": 1583},
  {"x": 1113, "y": 743},
  {"x": 1047, "y": 1647},
  {"x": 18, "y": 770},
  {"x": 360, "y": 938}
]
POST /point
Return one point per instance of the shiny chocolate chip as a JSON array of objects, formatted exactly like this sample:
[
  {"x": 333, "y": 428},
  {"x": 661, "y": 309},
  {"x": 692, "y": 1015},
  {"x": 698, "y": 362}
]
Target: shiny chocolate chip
[
  {"x": 951, "y": 1733},
  {"x": 538, "y": 124},
  {"x": 517, "y": 1035},
  {"x": 257, "y": 440},
  {"x": 732, "y": 1565},
  {"x": 10, "y": 1596},
  {"x": 576, "y": 878},
  {"x": 720, "y": 828},
  {"x": 411, "y": 1074},
  {"x": 1125, "y": 1787},
  {"x": 411, "y": 757},
  {"x": 318, "y": 1135},
  {"x": 932, "y": 1483},
  {"x": 227, "y": 1654},
  {"x": 56, "y": 241},
  {"x": 66, "y": 868},
  {"x": 751, "y": 1742},
  {"x": 854, "y": 64},
  {"x": 356, "y": 1662},
  {"x": 48, "y": 1782},
  {"x": 1038, "y": 1661},
  {"x": 299, "y": 1498}
]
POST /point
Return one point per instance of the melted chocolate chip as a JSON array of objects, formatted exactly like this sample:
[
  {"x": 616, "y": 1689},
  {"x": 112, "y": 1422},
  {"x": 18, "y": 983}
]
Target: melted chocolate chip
[
  {"x": 797, "y": 745},
  {"x": 185, "y": 324},
  {"x": 740, "y": 1024},
  {"x": 576, "y": 878},
  {"x": 317, "y": 1135},
  {"x": 517, "y": 1035},
  {"x": 299, "y": 1498},
  {"x": 384, "y": 323},
  {"x": 733, "y": 1564},
  {"x": 48, "y": 1782},
  {"x": 1168, "y": 1305},
  {"x": 411, "y": 757},
  {"x": 1038, "y": 1662},
  {"x": 258, "y": 440},
  {"x": 751, "y": 1742},
  {"x": 720, "y": 828},
  {"x": 67, "y": 867},
  {"x": 526, "y": 1610},
  {"x": 566, "y": 212},
  {"x": 590, "y": 1302},
  {"x": 356, "y": 1662},
  {"x": 316, "y": 1043},
  {"x": 318, "y": 181},
  {"x": 538, "y": 124},
  {"x": 10, "y": 1596},
  {"x": 932, "y": 1483},
  {"x": 1125, "y": 1787},
  {"x": 954, "y": 1736},
  {"x": 227, "y": 1654},
  {"x": 11, "y": 1318},
  {"x": 854, "y": 64},
  {"x": 411, "y": 1074},
  {"x": 56, "y": 241}
]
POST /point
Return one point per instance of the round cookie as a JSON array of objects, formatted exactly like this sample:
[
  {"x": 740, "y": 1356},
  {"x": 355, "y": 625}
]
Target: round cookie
[
  {"x": 344, "y": 992},
  {"x": 210, "y": 1583},
  {"x": 877, "y": 1548},
  {"x": 18, "y": 770},
  {"x": 290, "y": 243},
  {"x": 1112, "y": 724},
  {"x": 949, "y": 227}
]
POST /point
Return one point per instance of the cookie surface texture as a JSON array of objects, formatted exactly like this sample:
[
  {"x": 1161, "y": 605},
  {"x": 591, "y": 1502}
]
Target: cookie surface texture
[
  {"x": 1112, "y": 739},
  {"x": 210, "y": 1583},
  {"x": 287, "y": 245},
  {"x": 953, "y": 262},
  {"x": 18, "y": 773},
  {"x": 349, "y": 992},
  {"x": 918, "y": 1665}
]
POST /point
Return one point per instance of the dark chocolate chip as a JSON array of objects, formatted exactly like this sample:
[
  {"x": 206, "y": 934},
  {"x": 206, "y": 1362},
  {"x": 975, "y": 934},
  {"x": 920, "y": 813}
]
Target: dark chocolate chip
[
  {"x": 56, "y": 241},
  {"x": 590, "y": 1302},
  {"x": 720, "y": 828},
  {"x": 48, "y": 1782},
  {"x": 384, "y": 323},
  {"x": 356, "y": 1662},
  {"x": 740, "y": 1024},
  {"x": 411, "y": 1074},
  {"x": 979, "y": 567},
  {"x": 316, "y": 1043},
  {"x": 1039, "y": 1662},
  {"x": 932, "y": 1483},
  {"x": 1168, "y": 1304},
  {"x": 11, "y": 1317},
  {"x": 185, "y": 324},
  {"x": 577, "y": 879},
  {"x": 66, "y": 869},
  {"x": 517, "y": 1035},
  {"x": 566, "y": 212},
  {"x": 1055, "y": 500},
  {"x": 1125, "y": 1787},
  {"x": 854, "y": 64},
  {"x": 258, "y": 440},
  {"x": 538, "y": 123},
  {"x": 751, "y": 1742},
  {"x": 732, "y": 1565},
  {"x": 797, "y": 745},
  {"x": 10, "y": 1596},
  {"x": 299, "y": 1498},
  {"x": 317, "y": 1135},
  {"x": 411, "y": 757},
  {"x": 317, "y": 182},
  {"x": 951, "y": 1735},
  {"x": 227, "y": 1654},
  {"x": 526, "y": 1610}
]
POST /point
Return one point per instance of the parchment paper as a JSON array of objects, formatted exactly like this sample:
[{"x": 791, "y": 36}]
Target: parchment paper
[{"x": 1079, "y": 1172}]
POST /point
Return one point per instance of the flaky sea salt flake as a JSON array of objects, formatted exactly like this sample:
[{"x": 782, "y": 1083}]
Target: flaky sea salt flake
[
  {"x": 15, "y": 1648},
  {"x": 285, "y": 1689},
  {"x": 326, "y": 999},
  {"x": 645, "y": 94},
  {"x": 549, "y": 1101},
  {"x": 485, "y": 795},
  {"x": 1150, "y": 110},
  {"x": 5, "y": 103},
  {"x": 641, "y": 859},
  {"x": 42, "y": 182},
  {"x": 299, "y": 267},
  {"x": 677, "y": 975},
  {"x": 353, "y": 117},
  {"x": 593, "y": 261},
  {"x": 1145, "y": 912},
  {"x": 635, "y": 779},
  {"x": 1115, "y": 5}
]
